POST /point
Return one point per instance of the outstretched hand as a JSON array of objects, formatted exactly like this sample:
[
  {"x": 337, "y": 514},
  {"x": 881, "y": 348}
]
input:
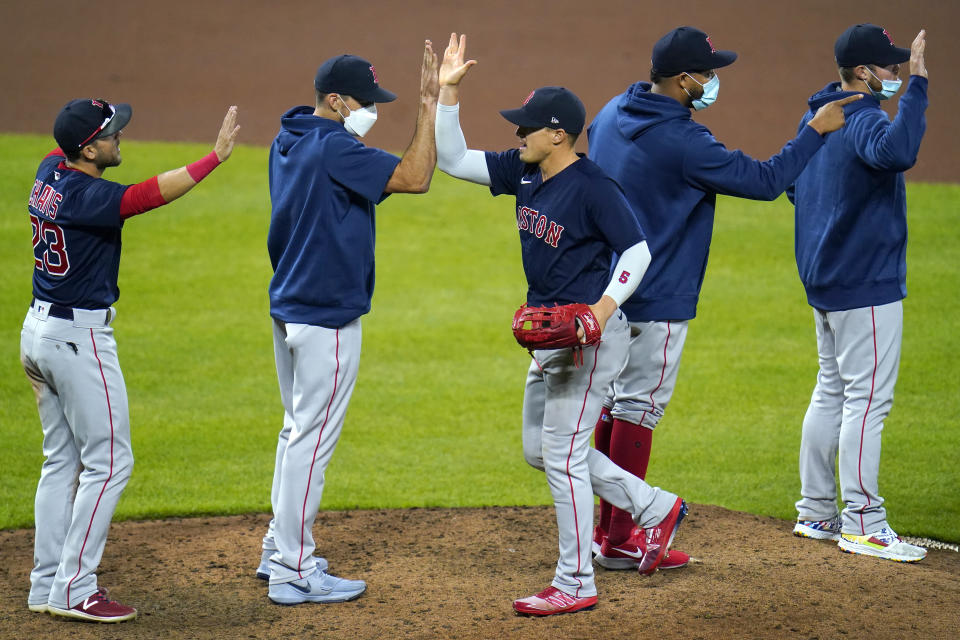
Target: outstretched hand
[
  {"x": 830, "y": 116},
  {"x": 918, "y": 63},
  {"x": 429, "y": 87},
  {"x": 228, "y": 135},
  {"x": 453, "y": 67}
]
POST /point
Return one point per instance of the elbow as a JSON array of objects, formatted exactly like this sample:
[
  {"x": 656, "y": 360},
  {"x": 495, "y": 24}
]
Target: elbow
[{"x": 423, "y": 187}]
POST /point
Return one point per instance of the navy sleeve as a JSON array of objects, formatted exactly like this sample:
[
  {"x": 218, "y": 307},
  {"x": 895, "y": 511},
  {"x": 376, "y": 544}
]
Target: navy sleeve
[
  {"x": 709, "y": 166},
  {"x": 791, "y": 190},
  {"x": 892, "y": 146},
  {"x": 613, "y": 216},
  {"x": 505, "y": 168},
  {"x": 97, "y": 205},
  {"x": 359, "y": 168}
]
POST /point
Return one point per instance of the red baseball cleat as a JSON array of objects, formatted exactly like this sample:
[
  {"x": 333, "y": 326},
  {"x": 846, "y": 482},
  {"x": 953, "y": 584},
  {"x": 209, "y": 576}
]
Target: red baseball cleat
[
  {"x": 97, "y": 608},
  {"x": 674, "y": 560},
  {"x": 629, "y": 554},
  {"x": 660, "y": 537},
  {"x": 551, "y": 601},
  {"x": 598, "y": 537}
]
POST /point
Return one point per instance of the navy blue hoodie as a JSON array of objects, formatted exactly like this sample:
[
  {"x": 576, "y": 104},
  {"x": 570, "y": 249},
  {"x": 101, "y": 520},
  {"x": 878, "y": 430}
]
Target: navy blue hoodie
[
  {"x": 671, "y": 169},
  {"x": 324, "y": 184},
  {"x": 851, "y": 206}
]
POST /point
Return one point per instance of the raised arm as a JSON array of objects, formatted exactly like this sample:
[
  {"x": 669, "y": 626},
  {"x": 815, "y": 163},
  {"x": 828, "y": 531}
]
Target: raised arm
[
  {"x": 177, "y": 182},
  {"x": 170, "y": 185},
  {"x": 893, "y": 146},
  {"x": 415, "y": 170},
  {"x": 453, "y": 157}
]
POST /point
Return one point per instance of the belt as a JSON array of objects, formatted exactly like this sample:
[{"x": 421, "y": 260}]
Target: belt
[{"x": 62, "y": 312}]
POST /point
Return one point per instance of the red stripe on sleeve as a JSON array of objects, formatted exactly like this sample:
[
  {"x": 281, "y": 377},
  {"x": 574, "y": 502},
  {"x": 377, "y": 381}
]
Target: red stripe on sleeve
[
  {"x": 140, "y": 198},
  {"x": 56, "y": 152}
]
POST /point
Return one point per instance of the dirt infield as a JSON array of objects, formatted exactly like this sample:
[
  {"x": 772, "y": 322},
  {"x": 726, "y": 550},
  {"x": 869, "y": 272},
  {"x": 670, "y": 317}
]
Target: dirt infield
[
  {"x": 451, "y": 574},
  {"x": 181, "y": 62}
]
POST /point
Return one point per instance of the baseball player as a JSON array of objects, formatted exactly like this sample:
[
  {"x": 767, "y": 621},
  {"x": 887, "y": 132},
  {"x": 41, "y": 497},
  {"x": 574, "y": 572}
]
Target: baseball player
[
  {"x": 324, "y": 184},
  {"x": 68, "y": 349},
  {"x": 851, "y": 237},
  {"x": 671, "y": 169},
  {"x": 571, "y": 217}
]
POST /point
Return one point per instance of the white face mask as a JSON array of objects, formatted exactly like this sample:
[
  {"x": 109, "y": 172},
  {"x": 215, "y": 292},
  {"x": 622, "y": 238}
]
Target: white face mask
[
  {"x": 359, "y": 122},
  {"x": 888, "y": 88},
  {"x": 710, "y": 91}
]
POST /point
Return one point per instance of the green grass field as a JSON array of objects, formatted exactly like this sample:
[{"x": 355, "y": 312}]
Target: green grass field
[{"x": 434, "y": 420}]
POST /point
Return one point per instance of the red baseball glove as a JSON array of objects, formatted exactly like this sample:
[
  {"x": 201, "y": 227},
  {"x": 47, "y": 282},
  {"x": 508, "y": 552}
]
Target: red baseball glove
[{"x": 555, "y": 327}]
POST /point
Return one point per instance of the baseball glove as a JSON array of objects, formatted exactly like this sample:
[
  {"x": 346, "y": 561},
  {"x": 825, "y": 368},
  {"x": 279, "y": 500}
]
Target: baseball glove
[{"x": 555, "y": 327}]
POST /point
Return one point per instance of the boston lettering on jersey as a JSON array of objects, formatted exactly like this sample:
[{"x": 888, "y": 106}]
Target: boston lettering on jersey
[
  {"x": 569, "y": 226},
  {"x": 537, "y": 224}
]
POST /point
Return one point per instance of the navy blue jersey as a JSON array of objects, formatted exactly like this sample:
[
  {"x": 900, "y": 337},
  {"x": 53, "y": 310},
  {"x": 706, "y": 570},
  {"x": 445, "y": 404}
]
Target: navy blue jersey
[
  {"x": 324, "y": 184},
  {"x": 76, "y": 236},
  {"x": 569, "y": 226}
]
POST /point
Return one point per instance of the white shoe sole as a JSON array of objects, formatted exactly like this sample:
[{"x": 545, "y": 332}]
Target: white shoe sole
[
  {"x": 290, "y": 596},
  {"x": 39, "y": 608},
  {"x": 77, "y": 615},
  {"x": 616, "y": 564},
  {"x": 804, "y": 531},
  {"x": 898, "y": 552}
]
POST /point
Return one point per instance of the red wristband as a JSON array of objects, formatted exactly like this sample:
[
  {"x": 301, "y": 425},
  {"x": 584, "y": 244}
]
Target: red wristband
[{"x": 201, "y": 168}]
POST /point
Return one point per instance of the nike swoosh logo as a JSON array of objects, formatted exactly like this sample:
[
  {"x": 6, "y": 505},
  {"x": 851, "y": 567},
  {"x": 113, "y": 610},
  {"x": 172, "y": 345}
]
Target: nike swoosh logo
[
  {"x": 299, "y": 588},
  {"x": 522, "y": 181},
  {"x": 638, "y": 554}
]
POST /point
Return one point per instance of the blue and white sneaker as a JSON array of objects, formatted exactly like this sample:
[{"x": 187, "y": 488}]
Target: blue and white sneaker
[
  {"x": 317, "y": 587},
  {"x": 818, "y": 529},
  {"x": 263, "y": 571}
]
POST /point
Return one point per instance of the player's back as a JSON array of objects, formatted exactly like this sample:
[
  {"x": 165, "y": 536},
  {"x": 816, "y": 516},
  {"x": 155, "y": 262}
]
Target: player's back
[{"x": 76, "y": 236}]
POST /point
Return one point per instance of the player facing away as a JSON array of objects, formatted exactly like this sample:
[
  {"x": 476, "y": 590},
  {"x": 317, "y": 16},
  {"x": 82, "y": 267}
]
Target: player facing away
[
  {"x": 571, "y": 218},
  {"x": 851, "y": 238},
  {"x": 671, "y": 169},
  {"x": 324, "y": 185},
  {"x": 69, "y": 352}
]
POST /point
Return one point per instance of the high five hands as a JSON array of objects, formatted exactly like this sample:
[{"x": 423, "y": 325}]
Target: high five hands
[{"x": 453, "y": 68}]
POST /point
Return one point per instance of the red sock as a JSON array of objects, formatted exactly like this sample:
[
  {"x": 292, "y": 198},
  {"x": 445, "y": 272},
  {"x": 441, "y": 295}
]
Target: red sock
[
  {"x": 630, "y": 450},
  {"x": 601, "y": 442}
]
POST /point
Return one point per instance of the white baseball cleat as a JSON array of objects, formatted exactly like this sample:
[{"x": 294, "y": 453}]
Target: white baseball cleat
[
  {"x": 882, "y": 544},
  {"x": 317, "y": 587}
]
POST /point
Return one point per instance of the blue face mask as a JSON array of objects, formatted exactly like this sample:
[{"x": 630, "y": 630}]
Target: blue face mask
[
  {"x": 710, "y": 91},
  {"x": 888, "y": 88}
]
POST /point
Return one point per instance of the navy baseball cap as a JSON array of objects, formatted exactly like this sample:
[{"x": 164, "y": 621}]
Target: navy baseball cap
[
  {"x": 351, "y": 76},
  {"x": 868, "y": 44},
  {"x": 688, "y": 49},
  {"x": 551, "y": 107},
  {"x": 82, "y": 121}
]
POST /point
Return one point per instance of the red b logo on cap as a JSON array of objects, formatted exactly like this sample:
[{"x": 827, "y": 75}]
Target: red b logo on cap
[
  {"x": 374, "y": 72},
  {"x": 888, "y": 36},
  {"x": 527, "y": 99},
  {"x": 712, "y": 49}
]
